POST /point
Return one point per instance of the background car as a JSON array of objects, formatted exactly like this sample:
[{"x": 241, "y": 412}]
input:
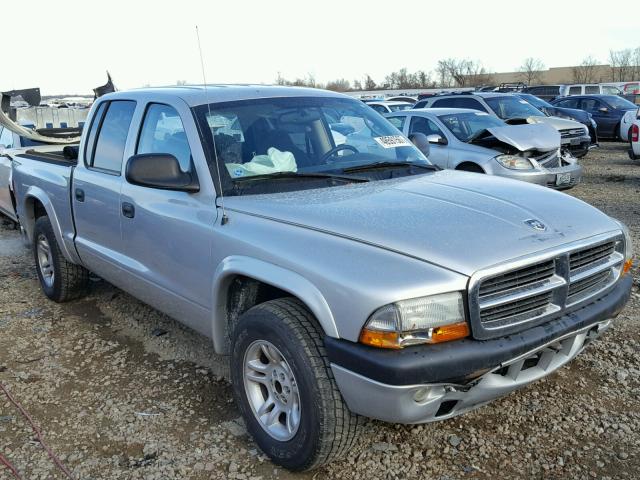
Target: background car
[
  {"x": 512, "y": 109},
  {"x": 546, "y": 92},
  {"x": 575, "y": 114},
  {"x": 403, "y": 98},
  {"x": 609, "y": 112},
  {"x": 466, "y": 139},
  {"x": 388, "y": 107}
]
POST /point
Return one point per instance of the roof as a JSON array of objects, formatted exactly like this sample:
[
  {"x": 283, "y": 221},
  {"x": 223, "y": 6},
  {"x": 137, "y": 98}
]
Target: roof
[
  {"x": 195, "y": 95},
  {"x": 438, "y": 111},
  {"x": 389, "y": 102}
]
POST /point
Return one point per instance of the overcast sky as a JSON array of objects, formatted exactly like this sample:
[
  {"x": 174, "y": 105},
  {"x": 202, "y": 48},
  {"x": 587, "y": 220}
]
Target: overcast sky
[{"x": 66, "y": 46}]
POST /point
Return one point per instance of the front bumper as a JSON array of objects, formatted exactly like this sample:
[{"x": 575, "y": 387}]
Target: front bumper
[
  {"x": 547, "y": 177},
  {"x": 434, "y": 382},
  {"x": 577, "y": 145}
]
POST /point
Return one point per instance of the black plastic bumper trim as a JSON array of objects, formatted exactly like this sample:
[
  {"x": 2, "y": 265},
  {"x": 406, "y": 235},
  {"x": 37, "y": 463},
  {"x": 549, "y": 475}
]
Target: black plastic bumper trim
[{"x": 453, "y": 361}]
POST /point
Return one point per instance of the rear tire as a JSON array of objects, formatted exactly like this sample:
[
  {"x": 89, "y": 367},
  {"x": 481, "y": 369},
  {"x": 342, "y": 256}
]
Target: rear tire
[
  {"x": 323, "y": 428},
  {"x": 60, "y": 279}
]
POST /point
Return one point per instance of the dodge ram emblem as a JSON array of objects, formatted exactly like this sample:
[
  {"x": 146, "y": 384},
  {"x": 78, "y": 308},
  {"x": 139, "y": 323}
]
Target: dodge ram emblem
[{"x": 536, "y": 224}]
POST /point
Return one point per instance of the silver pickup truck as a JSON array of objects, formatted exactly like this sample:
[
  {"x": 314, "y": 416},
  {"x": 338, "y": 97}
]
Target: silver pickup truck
[{"x": 341, "y": 272}]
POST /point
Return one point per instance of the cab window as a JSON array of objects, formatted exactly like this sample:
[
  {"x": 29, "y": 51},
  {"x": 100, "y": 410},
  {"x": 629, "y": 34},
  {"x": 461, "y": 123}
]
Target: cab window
[
  {"x": 6, "y": 137},
  {"x": 163, "y": 132}
]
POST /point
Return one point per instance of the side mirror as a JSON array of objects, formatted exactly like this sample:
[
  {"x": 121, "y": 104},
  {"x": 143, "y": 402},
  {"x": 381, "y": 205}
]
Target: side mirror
[
  {"x": 421, "y": 142},
  {"x": 159, "y": 170},
  {"x": 603, "y": 109},
  {"x": 436, "y": 139}
]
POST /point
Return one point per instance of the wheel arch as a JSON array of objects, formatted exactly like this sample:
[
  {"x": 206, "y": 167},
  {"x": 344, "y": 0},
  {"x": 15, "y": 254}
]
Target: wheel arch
[
  {"x": 241, "y": 282},
  {"x": 36, "y": 204},
  {"x": 469, "y": 166}
]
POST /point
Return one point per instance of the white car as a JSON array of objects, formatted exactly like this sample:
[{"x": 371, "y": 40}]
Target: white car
[
  {"x": 384, "y": 107},
  {"x": 634, "y": 138},
  {"x": 626, "y": 123}
]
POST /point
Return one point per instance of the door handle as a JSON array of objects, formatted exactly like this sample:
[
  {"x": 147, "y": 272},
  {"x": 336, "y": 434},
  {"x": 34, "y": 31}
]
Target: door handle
[
  {"x": 128, "y": 210},
  {"x": 79, "y": 195}
]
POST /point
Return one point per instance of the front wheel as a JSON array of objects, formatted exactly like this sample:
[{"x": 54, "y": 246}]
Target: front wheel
[
  {"x": 60, "y": 279},
  {"x": 284, "y": 386}
]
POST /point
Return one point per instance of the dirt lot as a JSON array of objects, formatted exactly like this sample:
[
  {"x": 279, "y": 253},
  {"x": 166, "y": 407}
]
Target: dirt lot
[{"x": 122, "y": 392}]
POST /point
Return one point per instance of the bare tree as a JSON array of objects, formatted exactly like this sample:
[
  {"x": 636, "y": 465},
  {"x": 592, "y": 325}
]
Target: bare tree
[
  {"x": 340, "y": 85},
  {"x": 357, "y": 85},
  {"x": 461, "y": 73},
  {"x": 369, "y": 84},
  {"x": 586, "y": 71},
  {"x": 181, "y": 82},
  {"x": 621, "y": 62},
  {"x": 531, "y": 70}
]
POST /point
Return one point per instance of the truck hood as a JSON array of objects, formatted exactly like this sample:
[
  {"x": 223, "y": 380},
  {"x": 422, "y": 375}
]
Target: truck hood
[
  {"x": 460, "y": 221},
  {"x": 538, "y": 136}
]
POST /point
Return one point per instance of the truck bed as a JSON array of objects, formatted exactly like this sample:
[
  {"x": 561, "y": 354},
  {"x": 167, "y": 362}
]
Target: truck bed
[{"x": 68, "y": 156}]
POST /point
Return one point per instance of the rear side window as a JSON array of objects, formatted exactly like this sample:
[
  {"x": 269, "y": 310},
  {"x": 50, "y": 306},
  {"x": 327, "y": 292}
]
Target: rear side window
[
  {"x": 444, "y": 103},
  {"x": 163, "y": 132},
  {"x": 421, "y": 104},
  {"x": 91, "y": 137},
  {"x": 112, "y": 136},
  {"x": 575, "y": 90},
  {"x": 569, "y": 103},
  {"x": 591, "y": 89},
  {"x": 469, "y": 103}
]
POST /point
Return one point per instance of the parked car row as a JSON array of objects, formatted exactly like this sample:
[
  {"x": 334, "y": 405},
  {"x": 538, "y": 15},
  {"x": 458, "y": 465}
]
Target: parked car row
[{"x": 341, "y": 272}]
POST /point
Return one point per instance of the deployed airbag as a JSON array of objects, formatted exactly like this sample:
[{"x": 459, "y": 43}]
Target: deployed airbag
[{"x": 273, "y": 162}]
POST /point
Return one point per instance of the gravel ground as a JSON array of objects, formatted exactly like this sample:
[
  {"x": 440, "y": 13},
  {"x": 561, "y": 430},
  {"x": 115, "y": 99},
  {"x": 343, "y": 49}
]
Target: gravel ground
[{"x": 122, "y": 392}]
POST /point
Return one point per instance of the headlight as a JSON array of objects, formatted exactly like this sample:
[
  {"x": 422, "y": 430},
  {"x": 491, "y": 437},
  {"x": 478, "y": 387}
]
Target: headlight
[
  {"x": 514, "y": 162},
  {"x": 432, "y": 319},
  {"x": 628, "y": 249}
]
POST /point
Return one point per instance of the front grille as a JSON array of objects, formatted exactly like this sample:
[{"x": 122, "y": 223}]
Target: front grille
[
  {"x": 517, "y": 279},
  {"x": 501, "y": 302},
  {"x": 535, "y": 305},
  {"x": 582, "y": 288},
  {"x": 571, "y": 132},
  {"x": 590, "y": 256}
]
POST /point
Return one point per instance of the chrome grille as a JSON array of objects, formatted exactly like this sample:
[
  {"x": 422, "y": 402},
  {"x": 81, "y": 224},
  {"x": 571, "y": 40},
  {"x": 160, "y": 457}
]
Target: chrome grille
[
  {"x": 590, "y": 256},
  {"x": 528, "y": 306},
  {"x": 571, "y": 132},
  {"x": 517, "y": 279},
  {"x": 501, "y": 299}
]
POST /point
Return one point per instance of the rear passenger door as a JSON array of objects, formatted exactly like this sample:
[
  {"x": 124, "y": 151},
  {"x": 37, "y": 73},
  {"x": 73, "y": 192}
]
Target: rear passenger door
[
  {"x": 167, "y": 235},
  {"x": 96, "y": 188}
]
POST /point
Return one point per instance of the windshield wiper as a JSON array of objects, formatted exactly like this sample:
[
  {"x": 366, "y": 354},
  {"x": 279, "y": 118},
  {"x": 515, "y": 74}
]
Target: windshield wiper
[
  {"x": 380, "y": 165},
  {"x": 301, "y": 175}
]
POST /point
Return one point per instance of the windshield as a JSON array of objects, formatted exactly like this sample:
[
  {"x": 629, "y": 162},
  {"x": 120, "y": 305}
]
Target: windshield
[
  {"x": 467, "y": 125},
  {"x": 535, "y": 101},
  {"x": 619, "y": 103},
  {"x": 508, "y": 107},
  {"x": 305, "y": 135}
]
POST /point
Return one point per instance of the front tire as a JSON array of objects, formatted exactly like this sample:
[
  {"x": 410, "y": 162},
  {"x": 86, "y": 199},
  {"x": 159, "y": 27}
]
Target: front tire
[
  {"x": 60, "y": 279},
  {"x": 284, "y": 386}
]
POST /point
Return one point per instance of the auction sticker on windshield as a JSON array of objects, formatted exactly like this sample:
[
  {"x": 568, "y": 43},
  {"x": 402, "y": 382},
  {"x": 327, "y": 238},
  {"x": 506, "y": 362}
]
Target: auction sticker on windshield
[{"x": 393, "y": 141}]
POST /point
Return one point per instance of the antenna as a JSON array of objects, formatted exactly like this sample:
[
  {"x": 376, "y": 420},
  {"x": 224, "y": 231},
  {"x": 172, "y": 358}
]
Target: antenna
[{"x": 224, "y": 219}]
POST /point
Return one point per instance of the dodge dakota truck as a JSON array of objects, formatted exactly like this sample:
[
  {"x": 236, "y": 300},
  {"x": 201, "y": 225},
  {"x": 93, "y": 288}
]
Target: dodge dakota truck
[{"x": 340, "y": 271}]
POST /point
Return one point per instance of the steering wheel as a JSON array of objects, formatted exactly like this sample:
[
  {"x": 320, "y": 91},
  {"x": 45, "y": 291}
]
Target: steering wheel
[{"x": 338, "y": 148}]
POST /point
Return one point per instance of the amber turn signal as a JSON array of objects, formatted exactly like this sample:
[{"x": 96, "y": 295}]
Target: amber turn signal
[
  {"x": 445, "y": 333},
  {"x": 627, "y": 266}
]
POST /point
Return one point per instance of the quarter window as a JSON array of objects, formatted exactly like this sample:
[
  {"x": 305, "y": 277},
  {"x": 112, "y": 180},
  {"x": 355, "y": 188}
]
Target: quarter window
[
  {"x": 163, "y": 132},
  {"x": 575, "y": 90},
  {"x": 591, "y": 89},
  {"x": 112, "y": 137}
]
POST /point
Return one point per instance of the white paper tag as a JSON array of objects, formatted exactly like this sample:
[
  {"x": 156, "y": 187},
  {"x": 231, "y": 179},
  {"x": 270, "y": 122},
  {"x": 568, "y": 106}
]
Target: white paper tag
[
  {"x": 393, "y": 141},
  {"x": 481, "y": 113}
]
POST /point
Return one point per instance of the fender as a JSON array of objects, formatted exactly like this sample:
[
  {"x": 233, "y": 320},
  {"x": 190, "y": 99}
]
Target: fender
[
  {"x": 28, "y": 221},
  {"x": 271, "y": 274}
]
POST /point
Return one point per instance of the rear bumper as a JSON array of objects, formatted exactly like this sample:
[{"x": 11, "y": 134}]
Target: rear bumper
[{"x": 434, "y": 382}]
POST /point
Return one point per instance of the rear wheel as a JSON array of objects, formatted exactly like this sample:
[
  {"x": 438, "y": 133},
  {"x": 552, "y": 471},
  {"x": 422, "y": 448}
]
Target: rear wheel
[
  {"x": 284, "y": 386},
  {"x": 60, "y": 280}
]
